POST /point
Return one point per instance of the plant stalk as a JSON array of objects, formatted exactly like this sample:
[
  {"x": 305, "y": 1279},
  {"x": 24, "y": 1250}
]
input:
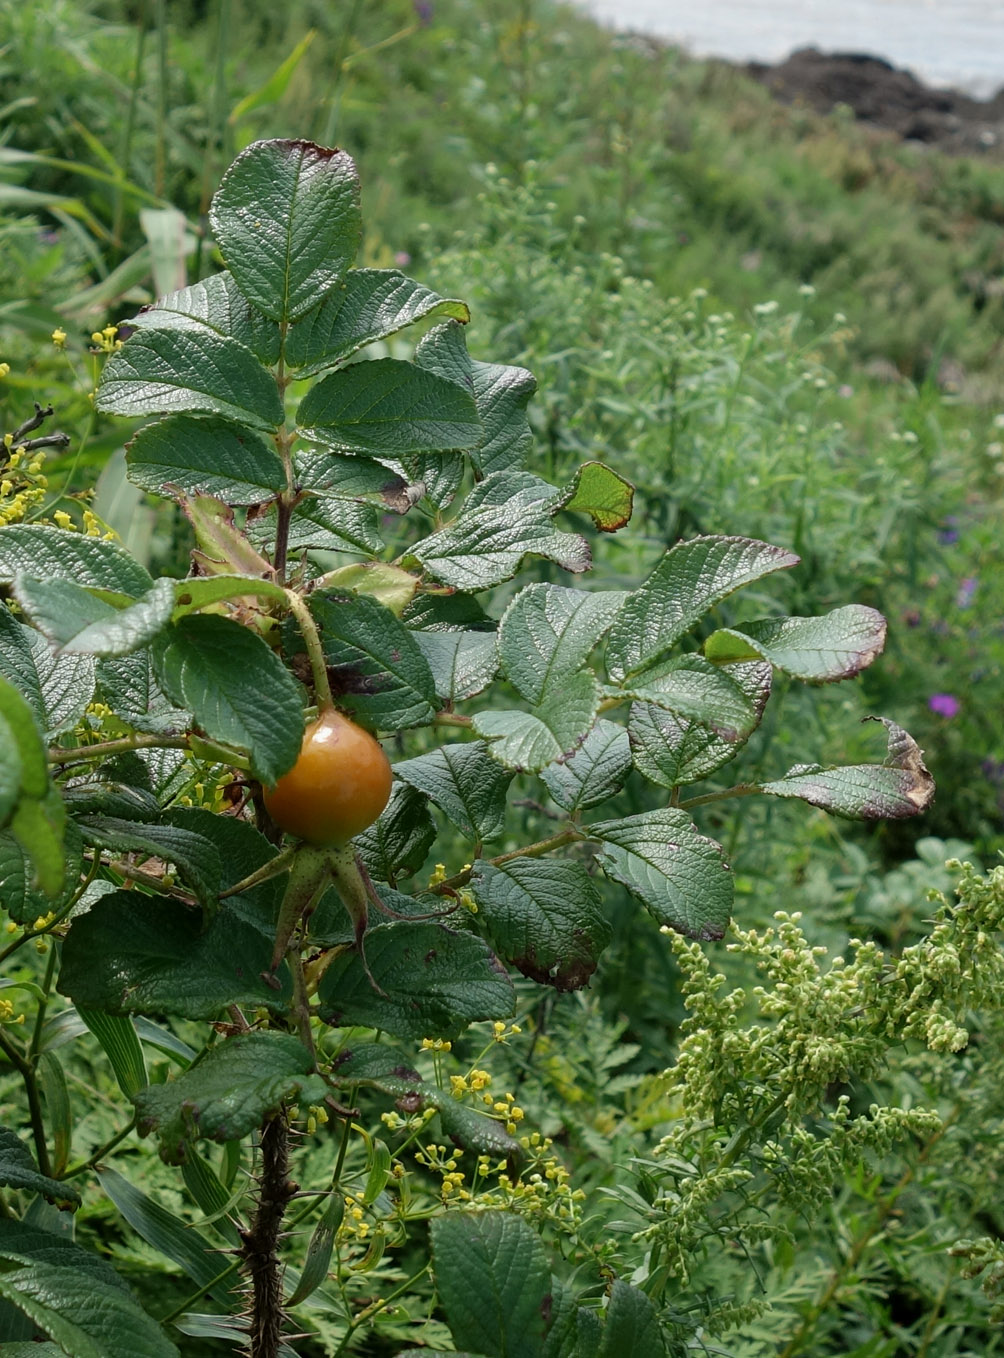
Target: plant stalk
[{"x": 261, "y": 1241}]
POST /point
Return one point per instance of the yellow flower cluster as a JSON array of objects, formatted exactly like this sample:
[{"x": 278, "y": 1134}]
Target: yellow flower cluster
[
  {"x": 22, "y": 486},
  {"x": 103, "y": 340}
]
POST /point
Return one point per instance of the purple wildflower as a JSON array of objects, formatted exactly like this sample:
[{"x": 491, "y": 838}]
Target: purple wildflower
[
  {"x": 423, "y": 11},
  {"x": 402, "y": 259},
  {"x": 945, "y": 704},
  {"x": 966, "y": 590}
]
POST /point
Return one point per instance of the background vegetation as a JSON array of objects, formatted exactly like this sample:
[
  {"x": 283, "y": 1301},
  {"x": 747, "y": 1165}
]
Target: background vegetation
[{"x": 777, "y": 325}]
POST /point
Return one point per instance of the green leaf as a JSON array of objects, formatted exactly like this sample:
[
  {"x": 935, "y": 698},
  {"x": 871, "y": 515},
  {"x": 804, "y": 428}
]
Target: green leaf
[
  {"x": 318, "y": 1258},
  {"x": 286, "y": 217},
  {"x": 117, "y": 1036},
  {"x": 128, "y": 685},
  {"x": 547, "y": 633},
  {"x": 164, "y": 372},
  {"x": 380, "y": 1066},
  {"x": 341, "y": 476},
  {"x": 494, "y": 1282},
  {"x": 898, "y": 788},
  {"x": 505, "y": 517},
  {"x": 199, "y": 591},
  {"x": 821, "y": 650},
  {"x": 232, "y": 1089},
  {"x": 528, "y": 741},
  {"x": 236, "y": 688},
  {"x": 465, "y": 783},
  {"x": 58, "y": 689},
  {"x": 594, "y": 773},
  {"x": 204, "y": 457},
  {"x": 632, "y": 1325},
  {"x": 19, "y": 891},
  {"x": 431, "y": 979},
  {"x": 328, "y": 525},
  {"x": 500, "y": 393},
  {"x": 134, "y": 954},
  {"x": 28, "y": 801},
  {"x": 545, "y": 916},
  {"x": 575, "y": 1330},
  {"x": 601, "y": 493},
  {"x": 77, "y": 622},
  {"x": 18, "y": 1170},
  {"x": 196, "y": 859},
  {"x": 399, "y": 842},
  {"x": 375, "y": 666},
  {"x": 690, "y": 579},
  {"x": 52, "y": 554},
  {"x": 276, "y": 85},
  {"x": 462, "y": 663},
  {"x": 216, "y": 304},
  {"x": 39, "y": 826},
  {"x": 388, "y": 407},
  {"x": 371, "y": 304},
  {"x": 694, "y": 689},
  {"x": 389, "y": 585},
  {"x": 673, "y": 750},
  {"x": 177, "y": 1240},
  {"x": 58, "y": 1113},
  {"x": 678, "y": 873},
  {"x": 75, "y": 1297}
]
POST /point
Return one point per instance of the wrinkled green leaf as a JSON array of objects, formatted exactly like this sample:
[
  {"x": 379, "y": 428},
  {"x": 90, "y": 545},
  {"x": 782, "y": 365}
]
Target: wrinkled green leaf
[
  {"x": 898, "y": 788},
  {"x": 228, "y": 1094},
  {"x": 286, "y": 216},
  {"x": 58, "y": 689},
  {"x": 20, "y": 894},
  {"x": 236, "y": 688},
  {"x": 545, "y": 916},
  {"x": 215, "y": 304},
  {"x": 55, "y": 554},
  {"x": 204, "y": 457},
  {"x": 632, "y": 1325},
  {"x": 77, "y": 622},
  {"x": 678, "y": 873},
  {"x": 134, "y": 954},
  {"x": 18, "y": 1170},
  {"x": 128, "y": 685},
  {"x": 501, "y": 394},
  {"x": 383, "y": 1067},
  {"x": 528, "y": 741},
  {"x": 371, "y": 304},
  {"x": 344, "y": 476},
  {"x": 465, "y": 783},
  {"x": 673, "y": 750},
  {"x": 547, "y": 633},
  {"x": 75, "y": 1297},
  {"x": 164, "y": 372},
  {"x": 388, "y": 407},
  {"x": 694, "y": 689},
  {"x": 326, "y": 525},
  {"x": 505, "y": 517},
  {"x": 462, "y": 663},
  {"x": 433, "y": 980},
  {"x": 594, "y": 773},
  {"x": 399, "y": 842},
  {"x": 837, "y": 645},
  {"x": 374, "y": 664},
  {"x": 196, "y": 859},
  {"x": 690, "y": 579},
  {"x": 494, "y": 1282}
]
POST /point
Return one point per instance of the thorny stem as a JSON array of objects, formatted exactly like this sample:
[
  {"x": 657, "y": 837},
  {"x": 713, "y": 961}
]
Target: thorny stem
[
  {"x": 260, "y": 1242},
  {"x": 542, "y": 846}
]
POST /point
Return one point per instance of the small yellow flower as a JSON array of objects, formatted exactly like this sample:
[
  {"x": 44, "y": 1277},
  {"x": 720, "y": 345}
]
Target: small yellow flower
[
  {"x": 59, "y": 337},
  {"x": 63, "y": 520},
  {"x": 4, "y": 369}
]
